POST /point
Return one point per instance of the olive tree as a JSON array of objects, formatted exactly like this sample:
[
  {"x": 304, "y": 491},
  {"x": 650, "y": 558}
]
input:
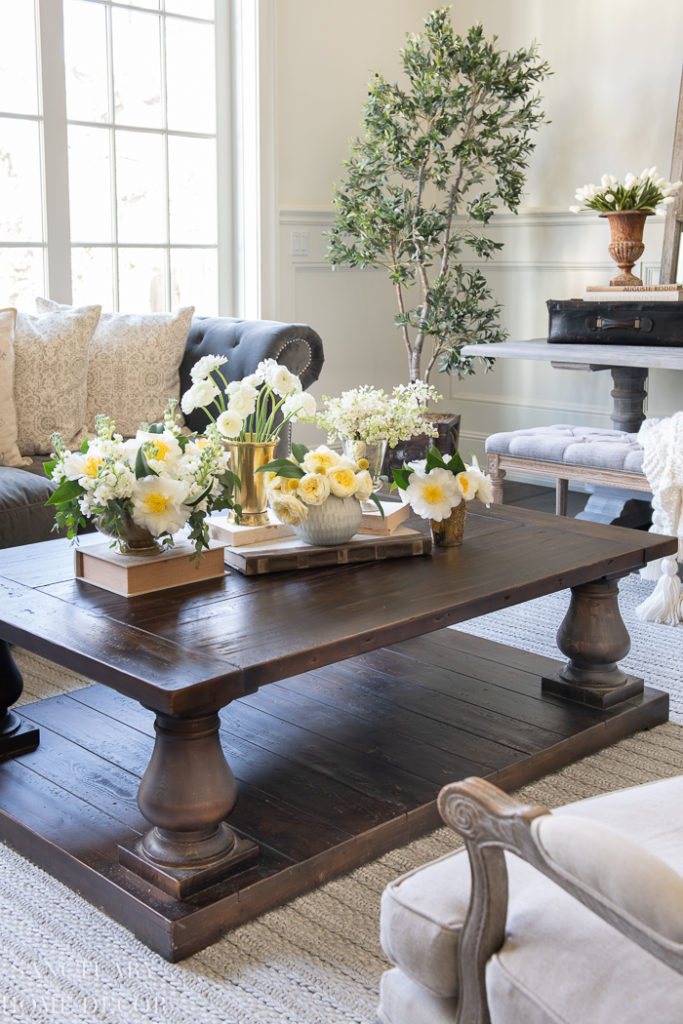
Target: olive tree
[{"x": 440, "y": 153}]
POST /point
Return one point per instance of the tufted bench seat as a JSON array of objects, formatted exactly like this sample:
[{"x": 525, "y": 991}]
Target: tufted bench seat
[{"x": 612, "y": 458}]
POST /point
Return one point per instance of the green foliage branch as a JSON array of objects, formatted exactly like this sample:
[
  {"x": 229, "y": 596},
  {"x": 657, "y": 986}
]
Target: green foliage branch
[{"x": 439, "y": 155}]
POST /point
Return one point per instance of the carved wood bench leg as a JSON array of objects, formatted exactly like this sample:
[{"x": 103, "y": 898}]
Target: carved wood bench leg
[
  {"x": 186, "y": 793},
  {"x": 593, "y": 637},
  {"x": 17, "y": 736},
  {"x": 497, "y": 476}
]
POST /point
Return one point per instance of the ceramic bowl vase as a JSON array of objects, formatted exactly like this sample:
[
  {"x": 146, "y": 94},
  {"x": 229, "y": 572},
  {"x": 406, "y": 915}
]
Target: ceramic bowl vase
[{"x": 333, "y": 522}]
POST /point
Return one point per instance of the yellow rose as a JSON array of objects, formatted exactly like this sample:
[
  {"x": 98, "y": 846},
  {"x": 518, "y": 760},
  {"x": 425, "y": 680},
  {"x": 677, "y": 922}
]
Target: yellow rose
[
  {"x": 313, "y": 488},
  {"x": 320, "y": 460},
  {"x": 363, "y": 485},
  {"x": 342, "y": 481},
  {"x": 288, "y": 509}
]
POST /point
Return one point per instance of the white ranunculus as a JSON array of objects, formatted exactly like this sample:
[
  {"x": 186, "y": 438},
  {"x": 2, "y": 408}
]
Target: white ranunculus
[
  {"x": 206, "y": 365},
  {"x": 433, "y": 495},
  {"x": 242, "y": 399},
  {"x": 158, "y": 504},
  {"x": 229, "y": 422},
  {"x": 281, "y": 380},
  {"x": 314, "y": 488},
  {"x": 298, "y": 404}
]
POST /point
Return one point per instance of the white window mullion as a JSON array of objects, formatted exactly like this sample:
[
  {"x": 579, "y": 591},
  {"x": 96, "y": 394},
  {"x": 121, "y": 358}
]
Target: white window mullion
[
  {"x": 228, "y": 287},
  {"x": 55, "y": 143}
]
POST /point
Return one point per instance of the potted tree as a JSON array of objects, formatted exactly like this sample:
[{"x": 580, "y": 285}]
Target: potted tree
[{"x": 440, "y": 152}]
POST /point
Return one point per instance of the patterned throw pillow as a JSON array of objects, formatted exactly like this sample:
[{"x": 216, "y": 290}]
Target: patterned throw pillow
[
  {"x": 9, "y": 453},
  {"x": 50, "y": 376},
  {"x": 134, "y": 365}
]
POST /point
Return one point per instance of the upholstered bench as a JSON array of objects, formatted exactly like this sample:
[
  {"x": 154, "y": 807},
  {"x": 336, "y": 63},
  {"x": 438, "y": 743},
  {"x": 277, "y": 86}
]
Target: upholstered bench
[{"x": 612, "y": 458}]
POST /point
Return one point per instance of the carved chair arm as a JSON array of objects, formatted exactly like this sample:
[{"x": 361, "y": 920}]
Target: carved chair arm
[{"x": 624, "y": 884}]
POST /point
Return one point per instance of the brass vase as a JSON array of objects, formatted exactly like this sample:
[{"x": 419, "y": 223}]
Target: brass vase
[
  {"x": 626, "y": 227},
  {"x": 449, "y": 532},
  {"x": 245, "y": 458}
]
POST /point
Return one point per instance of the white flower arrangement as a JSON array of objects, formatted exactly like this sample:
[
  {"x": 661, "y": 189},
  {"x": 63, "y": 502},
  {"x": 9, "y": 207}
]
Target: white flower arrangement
[
  {"x": 161, "y": 480},
  {"x": 309, "y": 478},
  {"x": 369, "y": 414},
  {"x": 434, "y": 486},
  {"x": 252, "y": 404},
  {"x": 646, "y": 191}
]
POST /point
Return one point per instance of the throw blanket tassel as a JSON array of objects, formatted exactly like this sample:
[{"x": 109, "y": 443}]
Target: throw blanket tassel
[{"x": 665, "y": 603}]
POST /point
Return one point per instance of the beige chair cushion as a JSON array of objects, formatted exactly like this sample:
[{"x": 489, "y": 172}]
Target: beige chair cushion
[
  {"x": 50, "y": 376},
  {"x": 134, "y": 365},
  {"x": 548, "y": 930},
  {"x": 9, "y": 453}
]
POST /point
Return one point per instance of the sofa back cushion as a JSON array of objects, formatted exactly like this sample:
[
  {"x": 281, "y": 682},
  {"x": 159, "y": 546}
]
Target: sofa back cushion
[
  {"x": 50, "y": 375},
  {"x": 9, "y": 453},
  {"x": 133, "y": 366}
]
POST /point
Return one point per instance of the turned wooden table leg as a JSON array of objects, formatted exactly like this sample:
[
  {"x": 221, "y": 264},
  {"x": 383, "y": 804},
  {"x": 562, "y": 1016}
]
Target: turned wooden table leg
[
  {"x": 628, "y": 397},
  {"x": 593, "y": 637},
  {"x": 186, "y": 793},
  {"x": 16, "y": 735}
]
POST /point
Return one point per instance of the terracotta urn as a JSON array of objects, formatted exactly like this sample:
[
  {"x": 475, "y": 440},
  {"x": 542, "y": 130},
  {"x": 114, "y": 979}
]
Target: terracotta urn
[{"x": 626, "y": 227}]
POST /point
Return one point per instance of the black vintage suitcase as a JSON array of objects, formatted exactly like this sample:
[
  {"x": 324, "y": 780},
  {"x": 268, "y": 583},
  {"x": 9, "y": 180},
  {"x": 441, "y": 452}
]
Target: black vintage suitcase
[{"x": 573, "y": 321}]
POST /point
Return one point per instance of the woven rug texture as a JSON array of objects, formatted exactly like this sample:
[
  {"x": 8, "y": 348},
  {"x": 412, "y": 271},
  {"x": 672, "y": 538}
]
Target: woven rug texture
[{"x": 318, "y": 959}]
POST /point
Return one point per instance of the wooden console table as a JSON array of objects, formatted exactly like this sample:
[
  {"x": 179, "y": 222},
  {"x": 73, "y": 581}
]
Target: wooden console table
[{"x": 629, "y": 365}]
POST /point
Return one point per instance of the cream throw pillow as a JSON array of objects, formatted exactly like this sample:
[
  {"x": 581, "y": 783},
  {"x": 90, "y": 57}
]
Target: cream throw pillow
[
  {"x": 9, "y": 453},
  {"x": 134, "y": 365},
  {"x": 50, "y": 376}
]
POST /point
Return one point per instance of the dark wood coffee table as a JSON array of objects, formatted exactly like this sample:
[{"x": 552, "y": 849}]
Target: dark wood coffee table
[{"x": 372, "y": 706}]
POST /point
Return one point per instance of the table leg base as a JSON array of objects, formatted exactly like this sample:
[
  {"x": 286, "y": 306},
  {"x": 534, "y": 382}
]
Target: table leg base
[
  {"x": 17, "y": 736},
  {"x": 595, "y": 697},
  {"x": 184, "y": 882}
]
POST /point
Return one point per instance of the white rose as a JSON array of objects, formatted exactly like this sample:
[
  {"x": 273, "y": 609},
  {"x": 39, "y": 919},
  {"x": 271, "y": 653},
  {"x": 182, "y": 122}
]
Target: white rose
[
  {"x": 288, "y": 509},
  {"x": 364, "y": 485},
  {"x": 320, "y": 459}
]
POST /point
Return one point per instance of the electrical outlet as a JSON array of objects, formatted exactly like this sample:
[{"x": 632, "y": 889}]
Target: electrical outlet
[{"x": 298, "y": 243}]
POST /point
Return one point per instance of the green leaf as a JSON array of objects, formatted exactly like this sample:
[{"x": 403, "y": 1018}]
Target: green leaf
[
  {"x": 373, "y": 497},
  {"x": 283, "y": 467},
  {"x": 142, "y": 466},
  {"x": 85, "y": 446},
  {"x": 435, "y": 460},
  {"x": 401, "y": 476},
  {"x": 299, "y": 451},
  {"x": 66, "y": 492},
  {"x": 49, "y": 467},
  {"x": 455, "y": 464},
  {"x": 205, "y": 492},
  {"x": 156, "y": 428}
]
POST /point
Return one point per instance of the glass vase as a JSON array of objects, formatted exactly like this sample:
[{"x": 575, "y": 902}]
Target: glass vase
[
  {"x": 449, "y": 532},
  {"x": 373, "y": 451}
]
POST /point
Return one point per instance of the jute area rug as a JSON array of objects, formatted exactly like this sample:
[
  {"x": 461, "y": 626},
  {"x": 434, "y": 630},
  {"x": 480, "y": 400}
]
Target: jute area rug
[{"x": 317, "y": 960}]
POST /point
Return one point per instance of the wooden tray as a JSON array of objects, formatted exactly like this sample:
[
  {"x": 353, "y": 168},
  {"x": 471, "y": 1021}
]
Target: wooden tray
[{"x": 292, "y": 553}]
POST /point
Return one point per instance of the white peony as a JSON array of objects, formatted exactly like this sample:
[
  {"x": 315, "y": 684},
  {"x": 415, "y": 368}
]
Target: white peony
[
  {"x": 160, "y": 449},
  {"x": 433, "y": 495},
  {"x": 158, "y": 504},
  {"x": 467, "y": 483}
]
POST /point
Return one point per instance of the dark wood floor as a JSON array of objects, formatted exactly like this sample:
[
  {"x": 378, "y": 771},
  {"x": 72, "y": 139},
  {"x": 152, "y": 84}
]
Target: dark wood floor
[{"x": 542, "y": 499}]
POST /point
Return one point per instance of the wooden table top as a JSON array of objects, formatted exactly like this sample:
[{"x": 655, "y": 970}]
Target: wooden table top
[
  {"x": 200, "y": 646},
  {"x": 652, "y": 357}
]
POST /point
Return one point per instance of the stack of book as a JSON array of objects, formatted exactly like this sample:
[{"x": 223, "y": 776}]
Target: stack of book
[{"x": 636, "y": 293}]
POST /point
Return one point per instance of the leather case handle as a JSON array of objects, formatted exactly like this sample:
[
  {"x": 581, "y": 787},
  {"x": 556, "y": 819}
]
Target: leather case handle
[{"x": 602, "y": 323}]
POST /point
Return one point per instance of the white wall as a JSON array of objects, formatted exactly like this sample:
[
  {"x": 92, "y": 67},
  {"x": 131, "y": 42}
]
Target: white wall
[{"x": 612, "y": 103}]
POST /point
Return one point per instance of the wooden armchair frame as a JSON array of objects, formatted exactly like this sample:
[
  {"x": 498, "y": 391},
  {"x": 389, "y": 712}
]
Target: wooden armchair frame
[{"x": 491, "y": 822}]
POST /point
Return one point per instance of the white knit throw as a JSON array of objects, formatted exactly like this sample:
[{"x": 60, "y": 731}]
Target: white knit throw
[{"x": 662, "y": 442}]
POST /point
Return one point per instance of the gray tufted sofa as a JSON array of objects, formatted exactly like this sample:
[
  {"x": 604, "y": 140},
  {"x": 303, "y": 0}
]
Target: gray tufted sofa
[{"x": 24, "y": 518}]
